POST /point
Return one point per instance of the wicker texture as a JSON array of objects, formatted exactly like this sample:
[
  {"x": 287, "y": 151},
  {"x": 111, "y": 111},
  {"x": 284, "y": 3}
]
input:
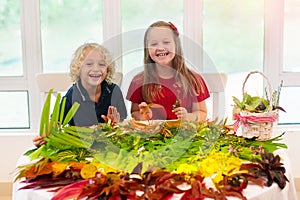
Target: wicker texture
[{"x": 258, "y": 125}]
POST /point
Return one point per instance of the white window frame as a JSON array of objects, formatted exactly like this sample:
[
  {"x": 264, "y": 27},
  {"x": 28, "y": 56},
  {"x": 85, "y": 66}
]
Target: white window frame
[
  {"x": 32, "y": 63},
  {"x": 274, "y": 30},
  {"x": 32, "y": 51}
]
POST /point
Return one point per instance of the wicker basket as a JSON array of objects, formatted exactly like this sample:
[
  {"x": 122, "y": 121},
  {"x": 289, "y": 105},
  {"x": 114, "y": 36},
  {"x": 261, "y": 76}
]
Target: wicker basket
[{"x": 258, "y": 125}]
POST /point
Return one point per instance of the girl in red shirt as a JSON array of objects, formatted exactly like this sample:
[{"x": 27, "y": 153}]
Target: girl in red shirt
[{"x": 167, "y": 88}]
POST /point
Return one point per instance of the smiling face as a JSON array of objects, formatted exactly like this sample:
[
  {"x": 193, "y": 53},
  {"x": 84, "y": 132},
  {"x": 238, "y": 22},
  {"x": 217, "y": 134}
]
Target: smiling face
[
  {"x": 161, "y": 46},
  {"x": 93, "y": 69}
]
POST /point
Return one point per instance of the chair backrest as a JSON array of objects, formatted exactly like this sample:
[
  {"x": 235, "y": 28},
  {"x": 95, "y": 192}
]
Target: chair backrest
[
  {"x": 216, "y": 83},
  {"x": 118, "y": 78},
  {"x": 59, "y": 82}
]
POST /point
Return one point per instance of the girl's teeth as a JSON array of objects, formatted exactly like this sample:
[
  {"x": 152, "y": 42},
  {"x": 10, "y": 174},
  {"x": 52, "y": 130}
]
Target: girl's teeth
[{"x": 162, "y": 54}]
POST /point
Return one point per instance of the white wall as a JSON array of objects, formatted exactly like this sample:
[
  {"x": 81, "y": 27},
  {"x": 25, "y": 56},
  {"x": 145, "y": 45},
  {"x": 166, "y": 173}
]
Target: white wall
[{"x": 12, "y": 147}]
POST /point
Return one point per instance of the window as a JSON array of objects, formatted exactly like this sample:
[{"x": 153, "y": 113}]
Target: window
[
  {"x": 233, "y": 42},
  {"x": 136, "y": 19},
  {"x": 14, "y": 109},
  {"x": 289, "y": 101},
  {"x": 13, "y": 102},
  {"x": 291, "y": 45},
  {"x": 66, "y": 25},
  {"x": 10, "y": 39},
  {"x": 290, "y": 70}
]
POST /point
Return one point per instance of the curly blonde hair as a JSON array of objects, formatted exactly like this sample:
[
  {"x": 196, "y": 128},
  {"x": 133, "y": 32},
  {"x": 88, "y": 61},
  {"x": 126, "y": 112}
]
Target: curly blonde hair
[{"x": 80, "y": 55}]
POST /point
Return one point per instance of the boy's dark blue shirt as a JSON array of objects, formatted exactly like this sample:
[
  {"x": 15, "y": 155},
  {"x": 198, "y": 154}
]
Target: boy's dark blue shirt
[{"x": 89, "y": 112}]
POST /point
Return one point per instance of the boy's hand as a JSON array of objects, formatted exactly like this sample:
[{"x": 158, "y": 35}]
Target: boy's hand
[
  {"x": 38, "y": 141},
  {"x": 113, "y": 116}
]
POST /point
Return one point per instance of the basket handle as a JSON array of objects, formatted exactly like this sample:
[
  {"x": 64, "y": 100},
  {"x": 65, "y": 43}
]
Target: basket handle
[{"x": 269, "y": 84}]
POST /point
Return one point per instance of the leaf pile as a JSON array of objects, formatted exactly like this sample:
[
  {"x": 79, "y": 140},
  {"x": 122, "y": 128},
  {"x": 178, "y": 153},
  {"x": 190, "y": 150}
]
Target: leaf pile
[{"x": 161, "y": 157}]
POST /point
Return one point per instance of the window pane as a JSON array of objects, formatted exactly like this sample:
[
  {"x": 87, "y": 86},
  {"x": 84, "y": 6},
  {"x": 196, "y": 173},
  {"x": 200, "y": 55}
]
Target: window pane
[
  {"x": 291, "y": 44},
  {"x": 65, "y": 26},
  {"x": 136, "y": 17},
  {"x": 233, "y": 33},
  {"x": 14, "y": 109},
  {"x": 135, "y": 20},
  {"x": 10, "y": 39},
  {"x": 289, "y": 100}
]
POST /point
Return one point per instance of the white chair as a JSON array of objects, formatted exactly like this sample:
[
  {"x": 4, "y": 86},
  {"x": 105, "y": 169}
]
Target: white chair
[
  {"x": 59, "y": 82},
  {"x": 216, "y": 83},
  {"x": 118, "y": 78}
]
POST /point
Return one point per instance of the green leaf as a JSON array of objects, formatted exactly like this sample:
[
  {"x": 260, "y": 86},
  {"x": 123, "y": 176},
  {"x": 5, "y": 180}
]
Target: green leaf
[
  {"x": 67, "y": 139},
  {"x": 121, "y": 159},
  {"x": 238, "y": 103},
  {"x": 81, "y": 132},
  {"x": 55, "y": 113},
  {"x": 30, "y": 151},
  {"x": 62, "y": 110},
  {"x": 37, "y": 153},
  {"x": 246, "y": 98},
  {"x": 71, "y": 113},
  {"x": 44, "y": 123}
]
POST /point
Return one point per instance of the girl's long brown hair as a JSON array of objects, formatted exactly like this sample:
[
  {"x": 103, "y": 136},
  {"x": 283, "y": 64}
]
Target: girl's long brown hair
[{"x": 184, "y": 76}]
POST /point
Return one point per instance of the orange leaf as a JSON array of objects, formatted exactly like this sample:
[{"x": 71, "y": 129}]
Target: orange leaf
[{"x": 58, "y": 168}]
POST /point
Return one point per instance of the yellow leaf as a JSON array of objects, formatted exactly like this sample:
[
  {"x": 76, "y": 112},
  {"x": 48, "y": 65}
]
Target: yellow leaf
[{"x": 88, "y": 171}]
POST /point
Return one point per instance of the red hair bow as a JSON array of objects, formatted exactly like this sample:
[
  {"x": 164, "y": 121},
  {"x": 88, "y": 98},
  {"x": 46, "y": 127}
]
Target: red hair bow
[{"x": 174, "y": 28}]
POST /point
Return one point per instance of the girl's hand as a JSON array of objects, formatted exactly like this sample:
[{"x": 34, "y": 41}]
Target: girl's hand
[
  {"x": 180, "y": 112},
  {"x": 145, "y": 111},
  {"x": 112, "y": 115},
  {"x": 38, "y": 141}
]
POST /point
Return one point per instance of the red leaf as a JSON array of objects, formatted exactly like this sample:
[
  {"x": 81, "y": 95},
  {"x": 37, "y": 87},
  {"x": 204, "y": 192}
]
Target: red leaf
[{"x": 71, "y": 191}]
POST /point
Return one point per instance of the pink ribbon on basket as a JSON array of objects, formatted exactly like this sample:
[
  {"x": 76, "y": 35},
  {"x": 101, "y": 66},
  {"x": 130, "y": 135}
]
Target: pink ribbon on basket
[{"x": 244, "y": 120}]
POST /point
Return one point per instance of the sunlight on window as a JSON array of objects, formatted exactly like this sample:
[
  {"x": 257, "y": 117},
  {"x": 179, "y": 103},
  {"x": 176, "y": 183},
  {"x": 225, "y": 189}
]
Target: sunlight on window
[
  {"x": 136, "y": 19},
  {"x": 291, "y": 49},
  {"x": 15, "y": 113},
  {"x": 10, "y": 39},
  {"x": 233, "y": 33},
  {"x": 65, "y": 26},
  {"x": 289, "y": 100}
]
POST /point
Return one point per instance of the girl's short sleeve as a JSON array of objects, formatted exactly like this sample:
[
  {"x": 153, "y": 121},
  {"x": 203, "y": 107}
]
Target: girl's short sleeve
[
  {"x": 134, "y": 93},
  {"x": 204, "y": 93}
]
